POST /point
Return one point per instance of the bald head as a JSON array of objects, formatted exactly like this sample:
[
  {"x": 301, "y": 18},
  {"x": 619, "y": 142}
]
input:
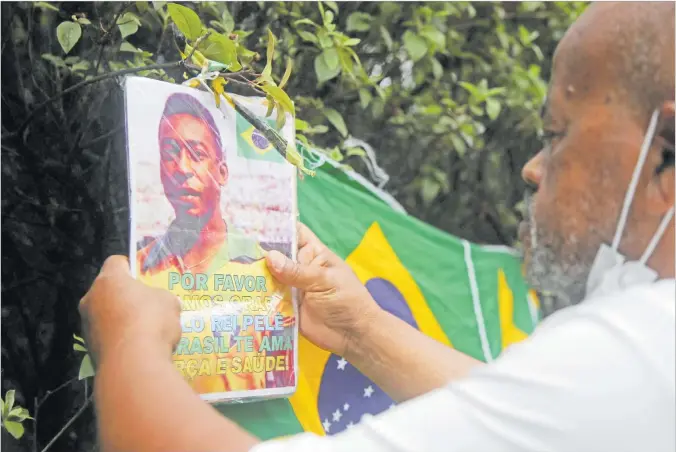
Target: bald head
[
  {"x": 613, "y": 68},
  {"x": 624, "y": 52}
]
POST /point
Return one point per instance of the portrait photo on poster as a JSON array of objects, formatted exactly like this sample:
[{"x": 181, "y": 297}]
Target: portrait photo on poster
[{"x": 209, "y": 197}]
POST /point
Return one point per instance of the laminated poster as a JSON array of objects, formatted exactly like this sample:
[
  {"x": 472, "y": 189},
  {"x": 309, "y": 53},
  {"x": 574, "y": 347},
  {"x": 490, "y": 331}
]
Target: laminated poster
[{"x": 209, "y": 197}]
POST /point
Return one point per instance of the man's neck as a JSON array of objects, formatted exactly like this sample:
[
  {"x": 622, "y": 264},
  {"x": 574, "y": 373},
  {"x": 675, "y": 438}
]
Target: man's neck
[{"x": 210, "y": 239}]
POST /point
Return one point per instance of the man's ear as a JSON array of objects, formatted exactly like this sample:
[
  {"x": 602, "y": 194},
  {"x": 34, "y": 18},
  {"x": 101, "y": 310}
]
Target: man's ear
[
  {"x": 662, "y": 183},
  {"x": 222, "y": 173}
]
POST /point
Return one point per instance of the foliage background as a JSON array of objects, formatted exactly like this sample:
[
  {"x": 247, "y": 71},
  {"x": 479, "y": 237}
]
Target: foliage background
[{"x": 446, "y": 95}]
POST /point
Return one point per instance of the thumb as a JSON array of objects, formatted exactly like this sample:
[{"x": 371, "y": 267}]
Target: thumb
[{"x": 287, "y": 271}]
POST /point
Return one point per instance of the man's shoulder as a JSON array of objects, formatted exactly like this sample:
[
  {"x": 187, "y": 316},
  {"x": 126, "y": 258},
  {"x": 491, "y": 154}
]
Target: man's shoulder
[{"x": 151, "y": 256}]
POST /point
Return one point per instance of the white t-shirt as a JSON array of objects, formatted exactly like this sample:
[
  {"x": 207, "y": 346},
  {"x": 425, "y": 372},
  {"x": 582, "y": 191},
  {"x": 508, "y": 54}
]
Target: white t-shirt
[{"x": 597, "y": 377}]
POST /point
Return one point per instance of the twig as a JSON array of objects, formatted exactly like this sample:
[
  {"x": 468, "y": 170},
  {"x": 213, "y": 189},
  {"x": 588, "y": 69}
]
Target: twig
[
  {"x": 277, "y": 141},
  {"x": 102, "y": 137},
  {"x": 69, "y": 423},
  {"x": 91, "y": 81},
  {"x": 105, "y": 37},
  {"x": 197, "y": 43},
  {"x": 36, "y": 408}
]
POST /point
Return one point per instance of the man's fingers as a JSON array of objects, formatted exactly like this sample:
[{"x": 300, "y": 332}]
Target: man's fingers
[
  {"x": 306, "y": 254},
  {"x": 307, "y": 237},
  {"x": 116, "y": 265},
  {"x": 289, "y": 272}
]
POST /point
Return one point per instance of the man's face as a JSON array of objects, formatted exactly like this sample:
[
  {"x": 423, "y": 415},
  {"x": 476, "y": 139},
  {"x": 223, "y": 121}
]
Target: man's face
[
  {"x": 192, "y": 172},
  {"x": 580, "y": 176}
]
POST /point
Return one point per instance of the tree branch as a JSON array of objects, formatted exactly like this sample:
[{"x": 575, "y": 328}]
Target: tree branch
[
  {"x": 69, "y": 423},
  {"x": 91, "y": 81}
]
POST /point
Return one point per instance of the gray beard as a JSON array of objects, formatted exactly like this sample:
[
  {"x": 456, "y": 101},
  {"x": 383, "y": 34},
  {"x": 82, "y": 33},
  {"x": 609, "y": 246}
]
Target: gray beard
[{"x": 552, "y": 274}]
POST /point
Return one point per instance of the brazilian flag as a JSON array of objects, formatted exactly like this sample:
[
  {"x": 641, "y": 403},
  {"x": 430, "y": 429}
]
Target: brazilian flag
[
  {"x": 469, "y": 297},
  {"x": 252, "y": 145}
]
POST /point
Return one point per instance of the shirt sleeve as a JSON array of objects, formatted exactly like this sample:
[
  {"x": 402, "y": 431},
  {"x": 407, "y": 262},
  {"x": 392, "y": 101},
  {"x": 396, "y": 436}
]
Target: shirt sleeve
[{"x": 588, "y": 380}]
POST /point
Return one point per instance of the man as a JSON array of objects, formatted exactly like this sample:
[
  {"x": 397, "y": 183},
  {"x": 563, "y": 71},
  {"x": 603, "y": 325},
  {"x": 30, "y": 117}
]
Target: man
[
  {"x": 199, "y": 244},
  {"x": 597, "y": 376}
]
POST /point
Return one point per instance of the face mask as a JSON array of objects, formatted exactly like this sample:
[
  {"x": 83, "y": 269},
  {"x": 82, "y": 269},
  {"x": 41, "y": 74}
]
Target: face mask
[{"x": 611, "y": 271}]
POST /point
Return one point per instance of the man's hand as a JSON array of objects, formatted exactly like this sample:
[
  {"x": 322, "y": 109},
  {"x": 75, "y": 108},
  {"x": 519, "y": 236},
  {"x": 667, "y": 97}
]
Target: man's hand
[
  {"x": 334, "y": 305},
  {"x": 120, "y": 310},
  {"x": 338, "y": 314}
]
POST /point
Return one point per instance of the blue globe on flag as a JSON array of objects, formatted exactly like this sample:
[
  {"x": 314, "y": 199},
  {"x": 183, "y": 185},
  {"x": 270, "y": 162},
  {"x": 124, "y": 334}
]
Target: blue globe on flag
[{"x": 345, "y": 394}]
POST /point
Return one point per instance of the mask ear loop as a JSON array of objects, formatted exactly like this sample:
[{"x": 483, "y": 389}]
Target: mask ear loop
[
  {"x": 629, "y": 197},
  {"x": 657, "y": 237}
]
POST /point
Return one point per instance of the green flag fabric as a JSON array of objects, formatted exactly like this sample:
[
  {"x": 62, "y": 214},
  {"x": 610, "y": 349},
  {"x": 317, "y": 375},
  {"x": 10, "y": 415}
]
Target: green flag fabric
[{"x": 472, "y": 298}]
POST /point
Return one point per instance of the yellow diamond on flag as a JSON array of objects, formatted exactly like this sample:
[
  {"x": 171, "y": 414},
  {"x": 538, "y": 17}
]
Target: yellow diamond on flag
[
  {"x": 373, "y": 259},
  {"x": 510, "y": 333}
]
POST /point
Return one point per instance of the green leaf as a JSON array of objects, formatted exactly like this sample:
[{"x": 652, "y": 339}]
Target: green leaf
[
  {"x": 126, "y": 47},
  {"x": 358, "y": 21},
  {"x": 301, "y": 125},
  {"x": 78, "y": 338},
  {"x": 14, "y": 428},
  {"x": 458, "y": 144},
  {"x": 364, "y": 98},
  {"x": 324, "y": 73},
  {"x": 187, "y": 20},
  {"x": 55, "y": 60},
  {"x": 332, "y": 5},
  {"x": 18, "y": 414},
  {"x": 328, "y": 17},
  {"x": 128, "y": 24},
  {"x": 79, "y": 348},
  {"x": 280, "y": 97},
  {"x": 287, "y": 72},
  {"x": 331, "y": 58},
  {"x": 227, "y": 20},
  {"x": 437, "y": 69},
  {"x": 271, "y": 106},
  {"x": 9, "y": 402},
  {"x": 492, "y": 108},
  {"x": 434, "y": 35},
  {"x": 80, "y": 66},
  {"x": 337, "y": 120},
  {"x": 336, "y": 155},
  {"x": 351, "y": 42},
  {"x": 159, "y": 5},
  {"x": 475, "y": 109},
  {"x": 86, "y": 368},
  {"x": 386, "y": 37},
  {"x": 46, "y": 5},
  {"x": 305, "y": 21},
  {"x": 142, "y": 7},
  {"x": 415, "y": 45},
  {"x": 429, "y": 190},
  {"x": 356, "y": 151},
  {"x": 317, "y": 130},
  {"x": 281, "y": 117},
  {"x": 68, "y": 34},
  {"x": 220, "y": 48},
  {"x": 270, "y": 53},
  {"x": 473, "y": 90},
  {"x": 307, "y": 36},
  {"x": 325, "y": 40},
  {"x": 83, "y": 21}
]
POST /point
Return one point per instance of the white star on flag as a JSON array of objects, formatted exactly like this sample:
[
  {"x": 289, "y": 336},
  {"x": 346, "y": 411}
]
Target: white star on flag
[
  {"x": 337, "y": 415},
  {"x": 341, "y": 364},
  {"x": 368, "y": 391},
  {"x": 326, "y": 424},
  {"x": 346, "y": 407},
  {"x": 350, "y": 425},
  {"x": 391, "y": 406}
]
